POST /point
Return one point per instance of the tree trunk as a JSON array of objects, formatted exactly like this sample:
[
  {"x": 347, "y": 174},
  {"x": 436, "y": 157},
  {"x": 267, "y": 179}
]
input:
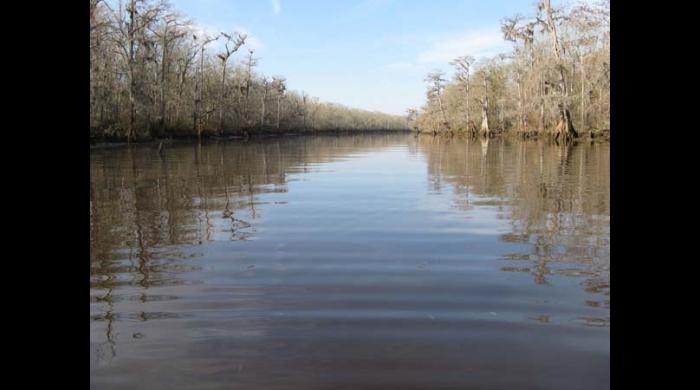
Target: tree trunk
[
  {"x": 279, "y": 98},
  {"x": 484, "y": 116},
  {"x": 132, "y": 82},
  {"x": 564, "y": 127},
  {"x": 543, "y": 124},
  {"x": 304, "y": 112},
  {"x": 223, "y": 97},
  {"x": 521, "y": 120},
  {"x": 442, "y": 111},
  {"x": 466, "y": 92},
  {"x": 583, "y": 96},
  {"x": 262, "y": 116},
  {"x": 501, "y": 124},
  {"x": 164, "y": 60},
  {"x": 199, "y": 96},
  {"x": 552, "y": 28},
  {"x": 132, "y": 87}
]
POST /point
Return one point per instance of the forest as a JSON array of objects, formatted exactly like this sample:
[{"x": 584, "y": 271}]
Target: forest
[
  {"x": 555, "y": 81},
  {"x": 153, "y": 74}
]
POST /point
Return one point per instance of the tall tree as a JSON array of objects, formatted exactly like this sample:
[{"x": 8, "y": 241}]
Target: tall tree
[
  {"x": 463, "y": 65},
  {"x": 436, "y": 85},
  {"x": 199, "y": 88},
  {"x": 231, "y": 46},
  {"x": 127, "y": 30},
  {"x": 565, "y": 127},
  {"x": 278, "y": 84},
  {"x": 249, "y": 64},
  {"x": 484, "y": 101},
  {"x": 167, "y": 34},
  {"x": 266, "y": 87}
]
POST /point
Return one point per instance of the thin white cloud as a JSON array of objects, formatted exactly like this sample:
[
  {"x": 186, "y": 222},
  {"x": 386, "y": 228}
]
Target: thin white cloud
[
  {"x": 212, "y": 31},
  {"x": 276, "y": 7},
  {"x": 477, "y": 43},
  {"x": 252, "y": 42},
  {"x": 440, "y": 49}
]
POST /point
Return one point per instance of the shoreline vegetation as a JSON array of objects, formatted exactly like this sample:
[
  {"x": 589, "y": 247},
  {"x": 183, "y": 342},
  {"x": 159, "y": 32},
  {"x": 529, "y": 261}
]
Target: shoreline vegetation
[
  {"x": 155, "y": 75},
  {"x": 554, "y": 83},
  {"x": 241, "y": 136}
]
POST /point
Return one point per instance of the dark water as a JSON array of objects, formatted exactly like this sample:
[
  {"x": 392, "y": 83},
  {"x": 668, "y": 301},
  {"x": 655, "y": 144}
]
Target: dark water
[{"x": 351, "y": 262}]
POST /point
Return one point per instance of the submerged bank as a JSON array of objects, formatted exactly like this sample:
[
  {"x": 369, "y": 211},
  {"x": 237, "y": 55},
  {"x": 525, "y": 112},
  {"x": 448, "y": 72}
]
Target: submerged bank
[
  {"x": 592, "y": 134},
  {"x": 597, "y": 135},
  {"x": 107, "y": 140}
]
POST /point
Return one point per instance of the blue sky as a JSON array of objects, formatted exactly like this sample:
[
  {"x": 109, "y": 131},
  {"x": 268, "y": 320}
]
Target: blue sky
[{"x": 370, "y": 54}]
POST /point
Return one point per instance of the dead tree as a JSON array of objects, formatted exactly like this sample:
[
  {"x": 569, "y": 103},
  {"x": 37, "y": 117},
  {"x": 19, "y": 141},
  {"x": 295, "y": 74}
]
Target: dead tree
[
  {"x": 249, "y": 64},
  {"x": 236, "y": 43},
  {"x": 199, "y": 86},
  {"x": 463, "y": 65},
  {"x": 522, "y": 123},
  {"x": 184, "y": 63},
  {"x": 304, "y": 110},
  {"x": 436, "y": 85},
  {"x": 278, "y": 84},
  {"x": 266, "y": 87},
  {"x": 518, "y": 30},
  {"x": 167, "y": 36},
  {"x": 127, "y": 33},
  {"x": 411, "y": 117},
  {"x": 587, "y": 21},
  {"x": 565, "y": 127}
]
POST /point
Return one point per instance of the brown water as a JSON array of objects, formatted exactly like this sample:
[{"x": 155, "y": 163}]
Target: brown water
[{"x": 350, "y": 262}]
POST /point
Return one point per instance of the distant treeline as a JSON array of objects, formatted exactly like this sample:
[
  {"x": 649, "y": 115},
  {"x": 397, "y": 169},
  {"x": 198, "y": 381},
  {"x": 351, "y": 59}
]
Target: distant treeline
[
  {"x": 555, "y": 81},
  {"x": 154, "y": 74}
]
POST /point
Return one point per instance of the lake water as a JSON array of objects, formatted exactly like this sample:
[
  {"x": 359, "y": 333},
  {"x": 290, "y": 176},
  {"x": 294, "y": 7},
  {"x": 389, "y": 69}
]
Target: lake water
[{"x": 382, "y": 261}]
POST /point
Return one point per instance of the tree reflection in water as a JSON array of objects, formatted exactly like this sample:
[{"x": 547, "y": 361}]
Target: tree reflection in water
[{"x": 556, "y": 197}]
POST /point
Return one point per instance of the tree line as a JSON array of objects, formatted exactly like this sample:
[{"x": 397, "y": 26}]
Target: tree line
[
  {"x": 555, "y": 81},
  {"x": 154, "y": 74}
]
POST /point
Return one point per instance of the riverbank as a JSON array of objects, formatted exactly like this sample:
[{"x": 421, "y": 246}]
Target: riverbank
[
  {"x": 594, "y": 134},
  {"x": 237, "y": 135}
]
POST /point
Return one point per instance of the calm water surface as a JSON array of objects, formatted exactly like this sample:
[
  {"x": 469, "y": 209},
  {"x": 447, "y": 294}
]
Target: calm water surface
[{"x": 350, "y": 262}]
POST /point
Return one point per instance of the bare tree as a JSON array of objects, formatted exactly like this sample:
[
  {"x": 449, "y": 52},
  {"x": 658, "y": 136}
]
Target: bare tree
[
  {"x": 278, "y": 84},
  {"x": 565, "y": 127},
  {"x": 199, "y": 87},
  {"x": 411, "y": 117},
  {"x": 129, "y": 23},
  {"x": 463, "y": 65},
  {"x": 231, "y": 46},
  {"x": 185, "y": 61},
  {"x": 436, "y": 85},
  {"x": 168, "y": 33},
  {"x": 250, "y": 63},
  {"x": 266, "y": 86},
  {"x": 304, "y": 111},
  {"x": 518, "y": 30}
]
